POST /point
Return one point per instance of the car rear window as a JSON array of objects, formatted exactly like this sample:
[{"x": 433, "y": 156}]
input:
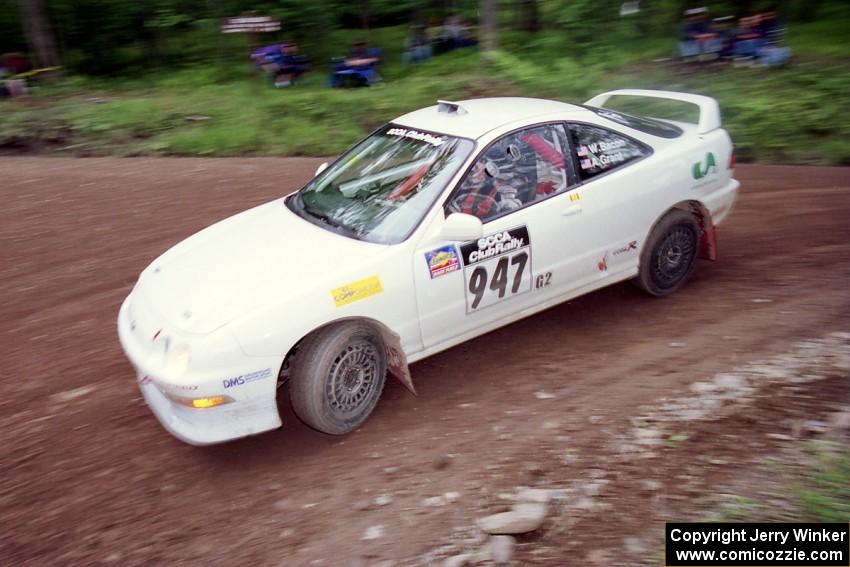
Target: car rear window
[{"x": 647, "y": 125}]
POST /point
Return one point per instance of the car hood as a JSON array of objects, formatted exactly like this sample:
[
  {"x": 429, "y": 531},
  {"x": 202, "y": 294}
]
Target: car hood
[{"x": 255, "y": 259}]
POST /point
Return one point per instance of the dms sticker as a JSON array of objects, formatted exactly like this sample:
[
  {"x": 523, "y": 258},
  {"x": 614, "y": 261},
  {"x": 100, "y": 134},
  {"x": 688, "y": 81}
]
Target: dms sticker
[
  {"x": 496, "y": 267},
  {"x": 355, "y": 291},
  {"x": 243, "y": 379},
  {"x": 442, "y": 261}
]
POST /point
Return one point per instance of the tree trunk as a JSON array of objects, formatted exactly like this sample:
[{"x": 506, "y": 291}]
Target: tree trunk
[
  {"x": 489, "y": 25},
  {"x": 39, "y": 33},
  {"x": 364, "y": 15},
  {"x": 527, "y": 15}
]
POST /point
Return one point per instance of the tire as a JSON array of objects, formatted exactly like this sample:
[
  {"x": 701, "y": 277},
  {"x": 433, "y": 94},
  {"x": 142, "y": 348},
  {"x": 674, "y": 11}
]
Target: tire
[
  {"x": 337, "y": 377},
  {"x": 670, "y": 254}
]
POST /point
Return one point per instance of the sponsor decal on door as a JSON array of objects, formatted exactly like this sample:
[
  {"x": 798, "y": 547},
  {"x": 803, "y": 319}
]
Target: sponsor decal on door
[{"x": 442, "y": 261}]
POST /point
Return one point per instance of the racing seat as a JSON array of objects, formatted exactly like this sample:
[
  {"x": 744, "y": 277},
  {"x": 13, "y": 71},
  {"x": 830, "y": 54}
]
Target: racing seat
[
  {"x": 543, "y": 150},
  {"x": 480, "y": 203}
]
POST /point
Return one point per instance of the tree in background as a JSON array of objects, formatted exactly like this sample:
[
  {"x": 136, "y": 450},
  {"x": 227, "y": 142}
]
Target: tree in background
[
  {"x": 39, "y": 33},
  {"x": 489, "y": 25},
  {"x": 527, "y": 14},
  {"x": 110, "y": 36}
]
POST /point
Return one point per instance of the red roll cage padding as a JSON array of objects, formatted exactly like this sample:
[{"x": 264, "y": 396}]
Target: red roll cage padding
[
  {"x": 484, "y": 206},
  {"x": 405, "y": 186},
  {"x": 544, "y": 150},
  {"x": 545, "y": 188}
]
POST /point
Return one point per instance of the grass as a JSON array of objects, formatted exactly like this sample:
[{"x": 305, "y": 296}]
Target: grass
[
  {"x": 824, "y": 494},
  {"x": 796, "y": 114},
  {"x": 813, "y": 477}
]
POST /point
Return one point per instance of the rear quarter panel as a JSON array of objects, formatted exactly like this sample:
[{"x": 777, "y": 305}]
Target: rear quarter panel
[{"x": 692, "y": 167}]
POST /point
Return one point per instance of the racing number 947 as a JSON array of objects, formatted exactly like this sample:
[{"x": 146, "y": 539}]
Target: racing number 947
[{"x": 499, "y": 281}]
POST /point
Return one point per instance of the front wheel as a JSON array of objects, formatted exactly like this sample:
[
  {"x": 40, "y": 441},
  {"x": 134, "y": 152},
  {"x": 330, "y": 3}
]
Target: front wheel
[
  {"x": 338, "y": 374},
  {"x": 670, "y": 254}
]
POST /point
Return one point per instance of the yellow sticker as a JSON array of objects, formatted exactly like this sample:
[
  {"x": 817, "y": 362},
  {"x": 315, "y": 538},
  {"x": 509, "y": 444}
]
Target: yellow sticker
[
  {"x": 575, "y": 197},
  {"x": 355, "y": 291}
]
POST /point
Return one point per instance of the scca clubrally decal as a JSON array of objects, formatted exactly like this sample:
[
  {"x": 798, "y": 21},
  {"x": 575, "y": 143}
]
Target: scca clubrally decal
[{"x": 494, "y": 244}]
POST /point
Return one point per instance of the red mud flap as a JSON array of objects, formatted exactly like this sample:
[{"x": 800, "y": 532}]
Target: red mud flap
[
  {"x": 708, "y": 242},
  {"x": 708, "y": 234},
  {"x": 396, "y": 360}
]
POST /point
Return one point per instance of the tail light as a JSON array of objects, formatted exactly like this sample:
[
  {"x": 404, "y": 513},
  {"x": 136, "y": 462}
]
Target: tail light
[{"x": 732, "y": 160}]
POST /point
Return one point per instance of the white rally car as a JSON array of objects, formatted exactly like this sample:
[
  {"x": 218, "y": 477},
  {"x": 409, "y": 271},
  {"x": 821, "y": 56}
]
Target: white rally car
[{"x": 443, "y": 225}]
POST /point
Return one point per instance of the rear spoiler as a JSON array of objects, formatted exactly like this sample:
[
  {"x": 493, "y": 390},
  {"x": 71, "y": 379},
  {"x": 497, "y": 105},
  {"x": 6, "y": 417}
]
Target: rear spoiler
[{"x": 709, "y": 110}]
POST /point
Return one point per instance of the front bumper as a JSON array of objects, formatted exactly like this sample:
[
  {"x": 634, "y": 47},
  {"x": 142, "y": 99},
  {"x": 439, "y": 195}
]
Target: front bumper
[{"x": 250, "y": 382}]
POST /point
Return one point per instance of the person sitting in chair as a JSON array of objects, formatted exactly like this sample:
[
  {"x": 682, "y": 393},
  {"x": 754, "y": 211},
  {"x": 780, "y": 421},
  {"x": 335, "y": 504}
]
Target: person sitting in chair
[
  {"x": 290, "y": 65},
  {"x": 361, "y": 56}
]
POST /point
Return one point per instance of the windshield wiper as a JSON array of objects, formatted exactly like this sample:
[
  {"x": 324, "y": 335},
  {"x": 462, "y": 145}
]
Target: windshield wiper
[
  {"x": 327, "y": 219},
  {"x": 324, "y": 218}
]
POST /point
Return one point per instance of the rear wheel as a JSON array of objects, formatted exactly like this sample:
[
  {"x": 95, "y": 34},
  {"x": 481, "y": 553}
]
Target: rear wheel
[
  {"x": 670, "y": 254},
  {"x": 337, "y": 377}
]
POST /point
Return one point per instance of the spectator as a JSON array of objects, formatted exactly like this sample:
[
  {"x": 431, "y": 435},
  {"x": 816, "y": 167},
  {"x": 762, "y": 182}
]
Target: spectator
[
  {"x": 282, "y": 62},
  {"x": 418, "y": 45},
  {"x": 696, "y": 38},
  {"x": 361, "y": 56},
  {"x": 15, "y": 63},
  {"x": 725, "y": 32},
  {"x": 748, "y": 40},
  {"x": 455, "y": 34},
  {"x": 290, "y": 65},
  {"x": 771, "y": 51},
  {"x": 360, "y": 66},
  {"x": 264, "y": 57}
]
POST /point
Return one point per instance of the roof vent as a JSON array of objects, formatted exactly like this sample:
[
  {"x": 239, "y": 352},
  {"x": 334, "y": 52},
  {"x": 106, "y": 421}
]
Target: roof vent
[{"x": 450, "y": 107}]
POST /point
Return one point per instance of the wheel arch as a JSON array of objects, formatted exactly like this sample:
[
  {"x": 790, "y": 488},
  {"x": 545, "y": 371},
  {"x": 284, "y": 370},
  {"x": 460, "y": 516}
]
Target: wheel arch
[
  {"x": 396, "y": 359},
  {"x": 708, "y": 232}
]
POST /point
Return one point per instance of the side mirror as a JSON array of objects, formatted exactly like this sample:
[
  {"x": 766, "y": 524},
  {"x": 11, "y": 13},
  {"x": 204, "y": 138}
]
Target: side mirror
[
  {"x": 321, "y": 168},
  {"x": 461, "y": 226}
]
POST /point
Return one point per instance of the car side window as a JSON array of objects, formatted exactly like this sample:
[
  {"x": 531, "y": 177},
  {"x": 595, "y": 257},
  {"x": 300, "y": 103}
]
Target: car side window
[
  {"x": 599, "y": 150},
  {"x": 516, "y": 171}
]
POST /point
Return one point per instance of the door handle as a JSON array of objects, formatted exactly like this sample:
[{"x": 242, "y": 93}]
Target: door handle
[{"x": 572, "y": 210}]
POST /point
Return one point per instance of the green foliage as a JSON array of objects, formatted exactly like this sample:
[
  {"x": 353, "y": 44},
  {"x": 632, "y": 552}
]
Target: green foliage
[
  {"x": 825, "y": 493},
  {"x": 218, "y": 106}
]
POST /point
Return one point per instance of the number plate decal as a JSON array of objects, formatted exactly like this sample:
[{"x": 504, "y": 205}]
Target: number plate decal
[{"x": 496, "y": 267}]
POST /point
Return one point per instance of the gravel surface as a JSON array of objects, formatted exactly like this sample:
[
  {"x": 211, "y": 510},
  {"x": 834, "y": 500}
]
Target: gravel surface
[{"x": 649, "y": 406}]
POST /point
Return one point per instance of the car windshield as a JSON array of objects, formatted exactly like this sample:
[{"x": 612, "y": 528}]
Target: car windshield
[{"x": 380, "y": 189}]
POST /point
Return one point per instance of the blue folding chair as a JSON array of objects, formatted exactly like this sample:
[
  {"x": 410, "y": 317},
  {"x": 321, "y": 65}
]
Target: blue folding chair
[{"x": 362, "y": 75}]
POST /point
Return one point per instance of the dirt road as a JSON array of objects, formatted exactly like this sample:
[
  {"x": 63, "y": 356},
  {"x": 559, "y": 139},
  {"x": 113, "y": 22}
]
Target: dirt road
[{"x": 89, "y": 476}]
